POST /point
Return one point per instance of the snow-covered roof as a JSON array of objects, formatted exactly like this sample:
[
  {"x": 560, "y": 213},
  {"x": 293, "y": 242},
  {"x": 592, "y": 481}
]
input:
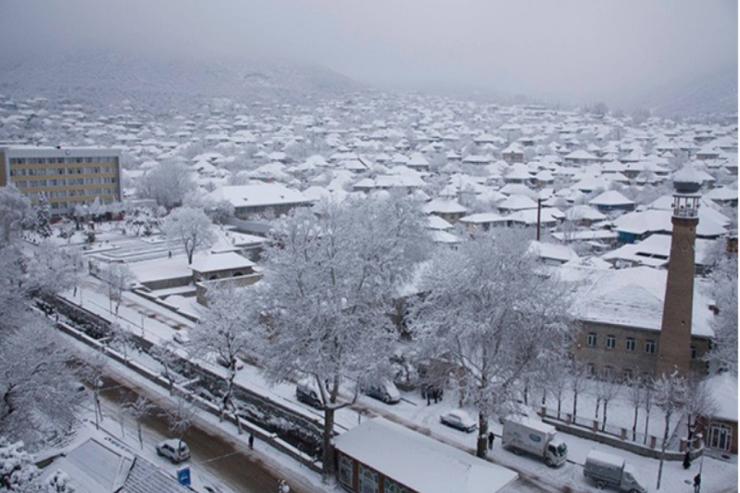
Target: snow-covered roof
[
  {"x": 212, "y": 262},
  {"x": 261, "y": 195},
  {"x": 420, "y": 462},
  {"x": 634, "y": 298},
  {"x": 610, "y": 197},
  {"x": 444, "y": 206}
]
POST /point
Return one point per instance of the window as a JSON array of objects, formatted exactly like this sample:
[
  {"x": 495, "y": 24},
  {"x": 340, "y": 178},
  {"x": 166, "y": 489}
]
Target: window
[
  {"x": 368, "y": 480},
  {"x": 345, "y": 470},
  {"x": 720, "y": 437},
  {"x": 611, "y": 342},
  {"x": 591, "y": 340},
  {"x": 629, "y": 345},
  {"x": 590, "y": 369},
  {"x": 650, "y": 346},
  {"x": 694, "y": 352},
  {"x": 627, "y": 375},
  {"x": 391, "y": 486},
  {"x": 608, "y": 372}
]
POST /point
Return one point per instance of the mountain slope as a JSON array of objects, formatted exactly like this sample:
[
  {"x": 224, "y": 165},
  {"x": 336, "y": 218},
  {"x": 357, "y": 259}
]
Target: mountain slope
[{"x": 112, "y": 76}]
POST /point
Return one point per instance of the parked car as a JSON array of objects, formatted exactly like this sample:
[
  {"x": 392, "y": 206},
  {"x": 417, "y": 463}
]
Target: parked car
[
  {"x": 307, "y": 391},
  {"x": 175, "y": 450},
  {"x": 182, "y": 336},
  {"x": 457, "y": 418},
  {"x": 385, "y": 391}
]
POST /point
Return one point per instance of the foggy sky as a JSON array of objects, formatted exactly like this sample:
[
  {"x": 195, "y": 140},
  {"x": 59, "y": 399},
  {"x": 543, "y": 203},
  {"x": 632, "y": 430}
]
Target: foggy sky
[{"x": 583, "y": 49}]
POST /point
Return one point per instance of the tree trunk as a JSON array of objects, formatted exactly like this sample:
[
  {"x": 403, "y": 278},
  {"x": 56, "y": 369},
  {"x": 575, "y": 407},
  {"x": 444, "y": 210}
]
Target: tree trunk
[
  {"x": 138, "y": 429},
  {"x": 596, "y": 411},
  {"x": 328, "y": 455},
  {"x": 575, "y": 405},
  {"x": 663, "y": 447},
  {"x": 603, "y": 425},
  {"x": 647, "y": 422},
  {"x": 634, "y": 424},
  {"x": 481, "y": 447}
]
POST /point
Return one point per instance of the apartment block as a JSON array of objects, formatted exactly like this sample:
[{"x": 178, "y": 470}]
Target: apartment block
[{"x": 67, "y": 176}]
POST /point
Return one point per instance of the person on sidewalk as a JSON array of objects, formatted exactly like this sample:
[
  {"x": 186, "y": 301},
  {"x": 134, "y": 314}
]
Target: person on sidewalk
[
  {"x": 491, "y": 438},
  {"x": 251, "y": 441},
  {"x": 697, "y": 483}
]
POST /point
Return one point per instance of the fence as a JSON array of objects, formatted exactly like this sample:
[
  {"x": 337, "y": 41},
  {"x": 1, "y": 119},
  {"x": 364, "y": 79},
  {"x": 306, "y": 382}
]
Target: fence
[{"x": 616, "y": 436}]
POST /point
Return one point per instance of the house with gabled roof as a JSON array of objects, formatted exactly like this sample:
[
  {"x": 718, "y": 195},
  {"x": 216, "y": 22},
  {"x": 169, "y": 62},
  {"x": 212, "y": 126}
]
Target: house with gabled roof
[
  {"x": 611, "y": 201},
  {"x": 249, "y": 200}
]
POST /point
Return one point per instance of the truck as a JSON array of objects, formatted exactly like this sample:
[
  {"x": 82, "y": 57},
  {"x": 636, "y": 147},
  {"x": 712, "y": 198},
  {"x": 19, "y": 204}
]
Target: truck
[
  {"x": 607, "y": 469},
  {"x": 522, "y": 434}
]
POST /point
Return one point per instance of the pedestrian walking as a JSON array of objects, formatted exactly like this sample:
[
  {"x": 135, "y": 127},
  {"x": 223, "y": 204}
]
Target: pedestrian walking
[
  {"x": 251, "y": 441},
  {"x": 687, "y": 460},
  {"x": 436, "y": 395},
  {"x": 491, "y": 438},
  {"x": 697, "y": 483}
]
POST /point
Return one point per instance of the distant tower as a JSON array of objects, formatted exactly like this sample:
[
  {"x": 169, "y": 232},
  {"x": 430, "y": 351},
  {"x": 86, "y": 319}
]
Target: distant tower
[{"x": 674, "y": 350}]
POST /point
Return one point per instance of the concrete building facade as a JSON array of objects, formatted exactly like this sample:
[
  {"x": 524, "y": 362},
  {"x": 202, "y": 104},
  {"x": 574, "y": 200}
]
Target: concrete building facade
[{"x": 67, "y": 176}]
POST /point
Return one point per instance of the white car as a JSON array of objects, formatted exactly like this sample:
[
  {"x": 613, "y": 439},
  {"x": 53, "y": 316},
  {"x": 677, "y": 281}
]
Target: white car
[
  {"x": 182, "y": 336},
  {"x": 459, "y": 419},
  {"x": 175, "y": 450}
]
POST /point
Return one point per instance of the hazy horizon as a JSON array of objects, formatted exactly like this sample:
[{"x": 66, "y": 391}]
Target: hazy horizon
[{"x": 570, "y": 49}]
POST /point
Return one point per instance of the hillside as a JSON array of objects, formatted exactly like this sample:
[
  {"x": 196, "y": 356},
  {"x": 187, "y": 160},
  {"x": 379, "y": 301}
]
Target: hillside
[{"x": 105, "y": 78}]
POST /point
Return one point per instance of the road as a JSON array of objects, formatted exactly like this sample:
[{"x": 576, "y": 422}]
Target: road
[{"x": 228, "y": 460}]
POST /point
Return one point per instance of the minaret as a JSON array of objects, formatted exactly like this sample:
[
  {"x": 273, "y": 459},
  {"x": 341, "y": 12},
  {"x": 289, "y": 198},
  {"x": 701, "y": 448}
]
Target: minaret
[{"x": 674, "y": 348}]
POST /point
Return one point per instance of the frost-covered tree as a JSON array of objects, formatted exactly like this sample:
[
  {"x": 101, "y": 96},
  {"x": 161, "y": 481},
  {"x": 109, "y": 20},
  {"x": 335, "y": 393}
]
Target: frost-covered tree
[
  {"x": 17, "y": 469},
  {"x": 35, "y": 398},
  {"x": 139, "y": 409},
  {"x": 636, "y": 394},
  {"x": 606, "y": 390},
  {"x": 118, "y": 278},
  {"x": 699, "y": 402},
  {"x": 169, "y": 184},
  {"x": 181, "y": 417},
  {"x": 489, "y": 309},
  {"x": 223, "y": 331},
  {"x": 669, "y": 395},
  {"x": 15, "y": 212},
  {"x": 43, "y": 216},
  {"x": 724, "y": 283},
  {"x": 52, "y": 270},
  {"x": 164, "y": 353},
  {"x": 122, "y": 339},
  {"x": 190, "y": 228},
  {"x": 330, "y": 284},
  {"x": 578, "y": 382},
  {"x": 59, "y": 483}
]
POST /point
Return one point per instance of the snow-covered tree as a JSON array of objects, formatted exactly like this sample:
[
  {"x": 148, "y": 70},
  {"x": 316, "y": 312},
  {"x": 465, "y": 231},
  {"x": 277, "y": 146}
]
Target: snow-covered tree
[
  {"x": 15, "y": 211},
  {"x": 168, "y": 184},
  {"x": 17, "y": 469},
  {"x": 122, "y": 339},
  {"x": 223, "y": 331},
  {"x": 636, "y": 394},
  {"x": 139, "y": 409},
  {"x": 330, "y": 284},
  {"x": 164, "y": 353},
  {"x": 181, "y": 417},
  {"x": 578, "y": 382},
  {"x": 190, "y": 228},
  {"x": 699, "y": 402},
  {"x": 35, "y": 382},
  {"x": 52, "y": 270},
  {"x": 605, "y": 389},
  {"x": 43, "y": 216},
  {"x": 119, "y": 278},
  {"x": 724, "y": 279},
  {"x": 489, "y": 309},
  {"x": 669, "y": 395}
]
